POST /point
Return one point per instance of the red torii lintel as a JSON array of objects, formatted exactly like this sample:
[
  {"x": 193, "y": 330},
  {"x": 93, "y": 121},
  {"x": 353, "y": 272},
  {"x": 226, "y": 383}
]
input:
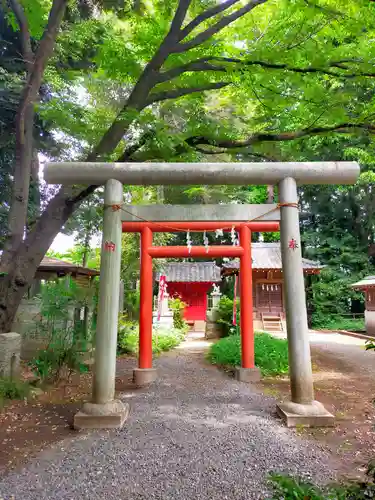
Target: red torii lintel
[
  {"x": 199, "y": 226},
  {"x": 243, "y": 251}
]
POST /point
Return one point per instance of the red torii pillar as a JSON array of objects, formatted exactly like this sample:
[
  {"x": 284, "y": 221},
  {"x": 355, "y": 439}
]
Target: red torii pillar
[{"x": 247, "y": 372}]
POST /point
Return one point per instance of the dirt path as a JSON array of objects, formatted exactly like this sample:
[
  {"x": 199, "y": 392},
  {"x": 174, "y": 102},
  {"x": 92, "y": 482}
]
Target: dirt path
[
  {"x": 195, "y": 433},
  {"x": 344, "y": 376}
]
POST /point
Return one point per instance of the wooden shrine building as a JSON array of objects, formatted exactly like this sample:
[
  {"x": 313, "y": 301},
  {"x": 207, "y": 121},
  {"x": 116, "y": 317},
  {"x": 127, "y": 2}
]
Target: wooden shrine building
[{"x": 268, "y": 297}]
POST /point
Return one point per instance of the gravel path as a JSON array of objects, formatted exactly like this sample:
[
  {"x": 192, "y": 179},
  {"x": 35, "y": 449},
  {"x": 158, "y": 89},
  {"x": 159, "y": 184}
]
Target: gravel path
[
  {"x": 195, "y": 434},
  {"x": 354, "y": 356}
]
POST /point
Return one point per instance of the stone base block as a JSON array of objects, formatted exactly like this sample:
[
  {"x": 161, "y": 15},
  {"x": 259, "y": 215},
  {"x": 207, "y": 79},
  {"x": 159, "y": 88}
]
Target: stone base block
[
  {"x": 309, "y": 415},
  {"x": 10, "y": 349},
  {"x": 247, "y": 375},
  {"x": 110, "y": 415},
  {"x": 144, "y": 376}
]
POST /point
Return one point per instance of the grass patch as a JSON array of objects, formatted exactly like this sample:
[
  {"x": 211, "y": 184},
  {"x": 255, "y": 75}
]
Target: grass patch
[
  {"x": 13, "y": 389},
  {"x": 271, "y": 354},
  {"x": 290, "y": 488},
  {"x": 163, "y": 339},
  {"x": 340, "y": 323}
]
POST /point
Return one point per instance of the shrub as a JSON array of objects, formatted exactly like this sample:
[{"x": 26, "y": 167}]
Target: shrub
[
  {"x": 50, "y": 363},
  {"x": 66, "y": 339},
  {"x": 178, "y": 306},
  {"x": 127, "y": 337},
  {"x": 225, "y": 310},
  {"x": 271, "y": 354},
  {"x": 13, "y": 389},
  {"x": 338, "y": 323},
  {"x": 163, "y": 339}
]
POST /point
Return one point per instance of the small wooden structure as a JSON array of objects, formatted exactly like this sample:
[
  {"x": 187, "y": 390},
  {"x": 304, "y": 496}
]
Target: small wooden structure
[
  {"x": 191, "y": 281},
  {"x": 51, "y": 268},
  {"x": 268, "y": 279},
  {"x": 367, "y": 285}
]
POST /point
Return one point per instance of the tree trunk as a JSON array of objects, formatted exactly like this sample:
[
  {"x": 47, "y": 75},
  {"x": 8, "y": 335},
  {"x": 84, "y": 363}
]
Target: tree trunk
[
  {"x": 86, "y": 249},
  {"x": 21, "y": 183}
]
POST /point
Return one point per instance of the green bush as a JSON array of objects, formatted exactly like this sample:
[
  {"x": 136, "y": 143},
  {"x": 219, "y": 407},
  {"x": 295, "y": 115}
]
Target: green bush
[
  {"x": 49, "y": 363},
  {"x": 271, "y": 354},
  {"x": 127, "y": 337},
  {"x": 225, "y": 310},
  {"x": 163, "y": 339},
  {"x": 65, "y": 340},
  {"x": 13, "y": 389},
  {"x": 338, "y": 323},
  {"x": 178, "y": 307}
]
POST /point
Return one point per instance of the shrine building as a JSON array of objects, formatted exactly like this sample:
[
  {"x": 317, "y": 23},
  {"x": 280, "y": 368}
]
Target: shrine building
[{"x": 268, "y": 296}]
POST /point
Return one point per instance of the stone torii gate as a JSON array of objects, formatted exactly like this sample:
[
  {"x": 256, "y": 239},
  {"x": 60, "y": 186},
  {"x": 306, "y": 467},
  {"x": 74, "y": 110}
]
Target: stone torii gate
[{"x": 104, "y": 411}]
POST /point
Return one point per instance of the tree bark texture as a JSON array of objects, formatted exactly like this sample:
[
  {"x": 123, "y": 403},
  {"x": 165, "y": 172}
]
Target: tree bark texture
[{"x": 17, "y": 267}]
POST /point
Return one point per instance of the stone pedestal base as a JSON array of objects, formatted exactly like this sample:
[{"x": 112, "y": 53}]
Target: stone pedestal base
[
  {"x": 144, "y": 376},
  {"x": 247, "y": 375},
  {"x": 111, "y": 415},
  {"x": 309, "y": 415},
  {"x": 10, "y": 349}
]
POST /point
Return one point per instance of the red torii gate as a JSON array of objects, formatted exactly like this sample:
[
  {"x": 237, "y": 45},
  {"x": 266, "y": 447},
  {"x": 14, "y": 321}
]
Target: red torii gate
[{"x": 145, "y": 372}]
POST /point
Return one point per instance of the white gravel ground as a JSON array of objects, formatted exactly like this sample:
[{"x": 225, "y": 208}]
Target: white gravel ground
[{"x": 196, "y": 434}]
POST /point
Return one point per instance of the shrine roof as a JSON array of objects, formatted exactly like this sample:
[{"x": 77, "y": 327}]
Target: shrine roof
[
  {"x": 51, "y": 264},
  {"x": 268, "y": 256},
  {"x": 191, "y": 272},
  {"x": 368, "y": 282}
]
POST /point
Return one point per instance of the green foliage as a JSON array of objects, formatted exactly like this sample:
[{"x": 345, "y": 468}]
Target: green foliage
[
  {"x": 178, "y": 307},
  {"x": 163, "y": 339},
  {"x": 128, "y": 336},
  {"x": 65, "y": 340},
  {"x": 225, "y": 311},
  {"x": 320, "y": 321},
  {"x": 271, "y": 354},
  {"x": 370, "y": 345},
  {"x": 289, "y": 488},
  {"x": 226, "y": 352},
  {"x": 49, "y": 363},
  {"x": 13, "y": 389}
]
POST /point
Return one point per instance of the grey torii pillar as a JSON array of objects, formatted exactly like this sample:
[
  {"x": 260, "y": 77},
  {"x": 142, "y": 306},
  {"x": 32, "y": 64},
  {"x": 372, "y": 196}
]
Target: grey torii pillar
[
  {"x": 104, "y": 411},
  {"x": 302, "y": 409}
]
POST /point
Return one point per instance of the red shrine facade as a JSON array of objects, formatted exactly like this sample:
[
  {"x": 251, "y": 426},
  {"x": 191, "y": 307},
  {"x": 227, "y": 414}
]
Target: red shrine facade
[{"x": 191, "y": 281}]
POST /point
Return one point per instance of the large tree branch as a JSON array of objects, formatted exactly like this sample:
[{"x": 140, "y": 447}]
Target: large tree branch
[
  {"x": 215, "y": 28},
  {"x": 182, "y": 91},
  {"x": 223, "y": 64},
  {"x": 147, "y": 81},
  {"x": 202, "y": 64},
  {"x": 207, "y": 14},
  {"x": 274, "y": 137},
  {"x": 179, "y": 17},
  {"x": 27, "y": 53},
  {"x": 44, "y": 51}
]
